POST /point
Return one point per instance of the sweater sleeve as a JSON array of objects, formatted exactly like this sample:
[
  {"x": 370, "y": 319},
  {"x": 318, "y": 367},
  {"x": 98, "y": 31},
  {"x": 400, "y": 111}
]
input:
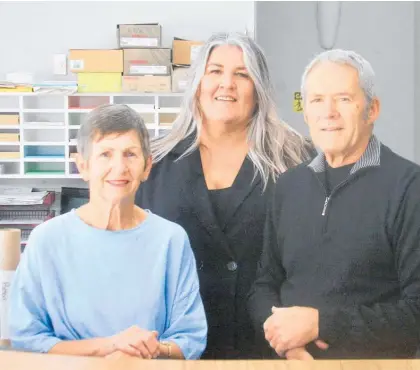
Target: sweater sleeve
[
  {"x": 29, "y": 323},
  {"x": 383, "y": 325},
  {"x": 265, "y": 292},
  {"x": 187, "y": 324}
]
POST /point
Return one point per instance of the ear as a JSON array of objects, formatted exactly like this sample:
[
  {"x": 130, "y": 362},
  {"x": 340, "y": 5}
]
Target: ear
[
  {"x": 82, "y": 166},
  {"x": 305, "y": 117},
  {"x": 147, "y": 168},
  {"x": 374, "y": 110},
  {"x": 198, "y": 93}
]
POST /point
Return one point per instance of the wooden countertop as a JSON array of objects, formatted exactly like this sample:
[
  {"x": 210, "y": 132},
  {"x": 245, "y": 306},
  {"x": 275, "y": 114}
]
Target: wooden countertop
[{"x": 10, "y": 360}]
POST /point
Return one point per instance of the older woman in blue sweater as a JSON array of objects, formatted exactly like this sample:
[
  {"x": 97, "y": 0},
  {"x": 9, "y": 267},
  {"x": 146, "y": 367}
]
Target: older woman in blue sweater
[{"x": 109, "y": 277}]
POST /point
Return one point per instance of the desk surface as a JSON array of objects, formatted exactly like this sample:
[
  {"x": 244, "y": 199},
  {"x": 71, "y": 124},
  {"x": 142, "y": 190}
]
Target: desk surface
[{"x": 23, "y": 361}]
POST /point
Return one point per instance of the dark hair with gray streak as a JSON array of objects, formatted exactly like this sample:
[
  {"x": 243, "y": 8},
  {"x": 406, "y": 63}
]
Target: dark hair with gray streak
[{"x": 110, "y": 119}]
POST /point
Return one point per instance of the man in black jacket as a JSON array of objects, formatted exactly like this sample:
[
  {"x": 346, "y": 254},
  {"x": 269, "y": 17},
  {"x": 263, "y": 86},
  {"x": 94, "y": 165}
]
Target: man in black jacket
[{"x": 340, "y": 273}]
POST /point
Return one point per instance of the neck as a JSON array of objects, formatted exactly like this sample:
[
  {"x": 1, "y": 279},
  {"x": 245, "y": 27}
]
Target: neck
[
  {"x": 110, "y": 216},
  {"x": 221, "y": 134},
  {"x": 343, "y": 159}
]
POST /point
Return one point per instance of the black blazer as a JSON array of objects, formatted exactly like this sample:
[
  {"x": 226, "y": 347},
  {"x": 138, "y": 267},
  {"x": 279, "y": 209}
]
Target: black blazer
[{"x": 176, "y": 190}]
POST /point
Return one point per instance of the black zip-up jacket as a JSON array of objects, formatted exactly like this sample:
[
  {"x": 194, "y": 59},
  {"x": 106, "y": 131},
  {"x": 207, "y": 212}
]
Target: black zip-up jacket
[{"x": 353, "y": 254}]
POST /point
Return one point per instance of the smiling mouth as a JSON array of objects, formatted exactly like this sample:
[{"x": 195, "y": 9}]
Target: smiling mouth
[
  {"x": 226, "y": 98},
  {"x": 118, "y": 182}
]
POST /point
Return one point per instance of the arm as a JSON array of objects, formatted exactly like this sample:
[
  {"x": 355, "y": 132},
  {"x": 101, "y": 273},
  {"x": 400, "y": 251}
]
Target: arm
[
  {"x": 386, "y": 325},
  {"x": 186, "y": 327},
  {"x": 29, "y": 321},
  {"x": 264, "y": 293},
  {"x": 87, "y": 347}
]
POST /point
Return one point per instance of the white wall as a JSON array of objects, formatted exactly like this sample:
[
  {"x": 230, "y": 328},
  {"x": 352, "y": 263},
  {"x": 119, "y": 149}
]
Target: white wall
[
  {"x": 31, "y": 32},
  {"x": 383, "y": 32}
]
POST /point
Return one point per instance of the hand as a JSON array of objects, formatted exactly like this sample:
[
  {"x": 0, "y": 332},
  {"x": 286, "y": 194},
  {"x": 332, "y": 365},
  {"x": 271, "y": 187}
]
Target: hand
[
  {"x": 299, "y": 353},
  {"x": 292, "y": 327},
  {"x": 135, "y": 341},
  {"x": 302, "y": 354}
]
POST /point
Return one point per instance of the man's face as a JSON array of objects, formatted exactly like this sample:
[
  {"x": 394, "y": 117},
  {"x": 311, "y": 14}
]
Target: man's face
[{"x": 335, "y": 109}]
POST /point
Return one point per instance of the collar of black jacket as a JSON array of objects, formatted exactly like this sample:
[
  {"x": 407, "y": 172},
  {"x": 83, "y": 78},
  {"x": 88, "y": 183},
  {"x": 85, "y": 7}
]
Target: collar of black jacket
[
  {"x": 371, "y": 157},
  {"x": 184, "y": 144}
]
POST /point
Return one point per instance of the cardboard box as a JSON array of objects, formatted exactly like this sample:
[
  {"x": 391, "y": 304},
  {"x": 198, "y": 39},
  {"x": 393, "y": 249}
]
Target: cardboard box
[
  {"x": 185, "y": 51},
  {"x": 9, "y": 119},
  {"x": 147, "y": 61},
  {"x": 180, "y": 78},
  {"x": 146, "y": 35},
  {"x": 16, "y": 89},
  {"x": 91, "y": 60},
  {"x": 146, "y": 83},
  {"x": 98, "y": 82}
]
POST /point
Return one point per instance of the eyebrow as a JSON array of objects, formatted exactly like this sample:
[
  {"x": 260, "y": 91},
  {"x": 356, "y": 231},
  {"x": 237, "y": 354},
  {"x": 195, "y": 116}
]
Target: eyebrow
[
  {"x": 338, "y": 94},
  {"x": 129, "y": 148}
]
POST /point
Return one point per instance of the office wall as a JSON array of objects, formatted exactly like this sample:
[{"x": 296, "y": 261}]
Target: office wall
[
  {"x": 383, "y": 32},
  {"x": 32, "y": 32}
]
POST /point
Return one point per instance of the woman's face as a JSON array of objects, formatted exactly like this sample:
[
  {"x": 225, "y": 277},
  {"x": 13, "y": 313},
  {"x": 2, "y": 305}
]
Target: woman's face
[
  {"x": 116, "y": 167},
  {"x": 226, "y": 91}
]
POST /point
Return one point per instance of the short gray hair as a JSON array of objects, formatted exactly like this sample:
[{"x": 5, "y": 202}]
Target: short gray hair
[
  {"x": 362, "y": 66},
  {"x": 110, "y": 119},
  {"x": 274, "y": 145}
]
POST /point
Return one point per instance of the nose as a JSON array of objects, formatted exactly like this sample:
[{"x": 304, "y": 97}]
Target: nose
[
  {"x": 119, "y": 163},
  {"x": 330, "y": 109},
  {"x": 227, "y": 81}
]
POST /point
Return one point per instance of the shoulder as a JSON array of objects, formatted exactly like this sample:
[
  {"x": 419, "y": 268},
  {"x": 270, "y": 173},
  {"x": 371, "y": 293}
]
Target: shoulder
[
  {"x": 54, "y": 226},
  {"x": 295, "y": 173},
  {"x": 50, "y": 233},
  {"x": 169, "y": 230},
  {"x": 170, "y": 236},
  {"x": 402, "y": 171},
  {"x": 395, "y": 162}
]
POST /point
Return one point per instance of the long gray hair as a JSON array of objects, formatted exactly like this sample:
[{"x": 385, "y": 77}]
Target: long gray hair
[{"x": 274, "y": 146}]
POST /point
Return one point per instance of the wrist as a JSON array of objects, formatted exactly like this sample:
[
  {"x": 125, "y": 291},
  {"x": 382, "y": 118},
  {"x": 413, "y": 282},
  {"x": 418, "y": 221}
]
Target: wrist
[
  {"x": 106, "y": 346},
  {"x": 165, "y": 349}
]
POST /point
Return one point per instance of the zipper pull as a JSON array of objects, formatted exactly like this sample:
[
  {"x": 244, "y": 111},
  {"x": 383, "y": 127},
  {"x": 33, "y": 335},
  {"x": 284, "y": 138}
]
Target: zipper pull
[{"x": 325, "y": 205}]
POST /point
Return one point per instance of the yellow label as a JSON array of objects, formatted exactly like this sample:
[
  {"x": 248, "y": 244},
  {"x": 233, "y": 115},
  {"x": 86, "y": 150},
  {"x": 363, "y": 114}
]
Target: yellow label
[{"x": 297, "y": 102}]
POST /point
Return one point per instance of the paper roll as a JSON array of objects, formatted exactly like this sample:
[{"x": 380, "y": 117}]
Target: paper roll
[
  {"x": 9, "y": 260},
  {"x": 9, "y": 249}
]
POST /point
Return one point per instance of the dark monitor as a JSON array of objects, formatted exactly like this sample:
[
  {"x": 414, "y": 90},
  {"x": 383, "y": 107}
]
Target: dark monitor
[{"x": 73, "y": 198}]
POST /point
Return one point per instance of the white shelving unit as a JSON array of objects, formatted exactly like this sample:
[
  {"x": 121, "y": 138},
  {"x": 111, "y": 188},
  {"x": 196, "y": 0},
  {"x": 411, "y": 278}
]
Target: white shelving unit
[{"x": 48, "y": 125}]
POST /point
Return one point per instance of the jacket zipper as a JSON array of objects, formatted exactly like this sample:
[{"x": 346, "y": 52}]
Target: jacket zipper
[
  {"x": 325, "y": 206},
  {"x": 333, "y": 191}
]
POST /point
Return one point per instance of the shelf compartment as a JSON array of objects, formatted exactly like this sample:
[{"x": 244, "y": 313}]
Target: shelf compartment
[
  {"x": 37, "y": 151},
  {"x": 9, "y": 168},
  {"x": 87, "y": 102},
  {"x": 44, "y": 169},
  {"x": 73, "y": 169},
  {"x": 43, "y": 102},
  {"x": 43, "y": 125},
  {"x": 147, "y": 101},
  {"x": 44, "y": 135},
  {"x": 11, "y": 102}
]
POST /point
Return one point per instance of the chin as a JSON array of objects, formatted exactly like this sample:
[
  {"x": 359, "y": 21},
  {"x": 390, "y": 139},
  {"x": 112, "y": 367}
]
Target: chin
[{"x": 117, "y": 198}]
